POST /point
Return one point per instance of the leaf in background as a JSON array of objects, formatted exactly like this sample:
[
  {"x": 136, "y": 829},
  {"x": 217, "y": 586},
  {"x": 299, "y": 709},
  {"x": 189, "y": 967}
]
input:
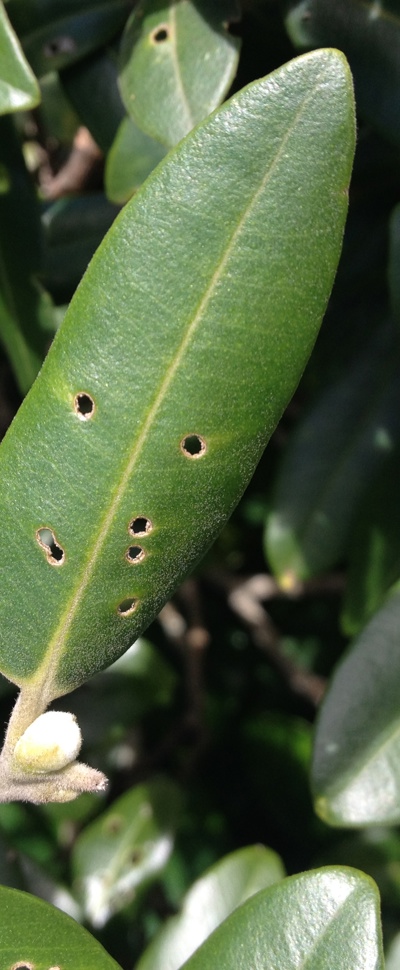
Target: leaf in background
[
  {"x": 394, "y": 263},
  {"x": 19, "y": 89},
  {"x": 135, "y": 445},
  {"x": 132, "y": 157},
  {"x": 356, "y": 765},
  {"x": 330, "y": 460},
  {"x": 25, "y": 309},
  {"x": 177, "y": 63},
  {"x": 210, "y": 900},
  {"x": 54, "y": 33},
  {"x": 126, "y": 848},
  {"x": 34, "y": 934},
  {"x": 91, "y": 86},
  {"x": 368, "y": 33},
  {"x": 321, "y": 919},
  {"x": 374, "y": 547}
]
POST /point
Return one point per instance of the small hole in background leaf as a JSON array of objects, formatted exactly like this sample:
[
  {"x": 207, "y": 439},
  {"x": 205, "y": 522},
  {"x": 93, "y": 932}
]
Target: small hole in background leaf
[
  {"x": 113, "y": 825},
  {"x": 140, "y": 526},
  {"x": 23, "y": 966},
  {"x": 84, "y": 405},
  {"x": 59, "y": 45},
  {"x": 128, "y": 606},
  {"x": 160, "y": 34},
  {"x": 54, "y": 552},
  {"x": 135, "y": 554},
  {"x": 193, "y": 446}
]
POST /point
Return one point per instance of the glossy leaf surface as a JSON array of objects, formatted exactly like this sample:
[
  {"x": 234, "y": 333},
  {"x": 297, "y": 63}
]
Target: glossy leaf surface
[
  {"x": 177, "y": 63},
  {"x": 211, "y": 899},
  {"x": 132, "y": 157},
  {"x": 319, "y": 920},
  {"x": 136, "y": 443},
  {"x": 54, "y": 34},
  {"x": 334, "y": 453},
  {"x": 356, "y": 766},
  {"x": 19, "y": 89},
  {"x": 35, "y": 934},
  {"x": 125, "y": 848}
]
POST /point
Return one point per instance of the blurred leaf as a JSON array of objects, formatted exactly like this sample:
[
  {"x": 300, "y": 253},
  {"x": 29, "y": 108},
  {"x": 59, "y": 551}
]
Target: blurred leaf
[
  {"x": 56, "y": 114},
  {"x": 368, "y": 33},
  {"x": 19, "y": 89},
  {"x": 329, "y": 462},
  {"x": 356, "y": 766},
  {"x": 126, "y": 848},
  {"x": 319, "y": 920},
  {"x": 34, "y": 934},
  {"x": 164, "y": 293},
  {"x": 132, "y": 157},
  {"x": 92, "y": 89},
  {"x": 177, "y": 63},
  {"x": 25, "y": 309},
  {"x": 54, "y": 33},
  {"x": 374, "y": 548},
  {"x": 394, "y": 263},
  {"x": 211, "y": 899}
]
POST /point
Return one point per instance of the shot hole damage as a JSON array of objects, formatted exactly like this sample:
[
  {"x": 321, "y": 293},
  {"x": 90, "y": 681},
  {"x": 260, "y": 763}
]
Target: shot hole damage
[
  {"x": 193, "y": 446},
  {"x": 160, "y": 34},
  {"x": 59, "y": 45},
  {"x": 135, "y": 554},
  {"x": 140, "y": 526},
  {"x": 127, "y": 606},
  {"x": 22, "y": 966},
  {"x": 47, "y": 541},
  {"x": 84, "y": 406}
]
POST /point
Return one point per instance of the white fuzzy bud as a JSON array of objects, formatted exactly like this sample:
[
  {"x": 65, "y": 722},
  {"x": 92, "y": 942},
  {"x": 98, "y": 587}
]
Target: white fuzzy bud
[{"x": 50, "y": 743}]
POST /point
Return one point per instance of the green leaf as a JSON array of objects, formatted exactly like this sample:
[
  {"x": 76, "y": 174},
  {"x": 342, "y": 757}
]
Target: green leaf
[
  {"x": 125, "y": 849},
  {"x": 356, "y": 766},
  {"x": 321, "y": 919},
  {"x": 211, "y": 899},
  {"x": 374, "y": 549},
  {"x": 34, "y": 934},
  {"x": 135, "y": 445},
  {"x": 19, "y": 89},
  {"x": 25, "y": 309},
  {"x": 132, "y": 157},
  {"x": 54, "y": 33},
  {"x": 92, "y": 89},
  {"x": 177, "y": 63},
  {"x": 368, "y": 32},
  {"x": 334, "y": 453}
]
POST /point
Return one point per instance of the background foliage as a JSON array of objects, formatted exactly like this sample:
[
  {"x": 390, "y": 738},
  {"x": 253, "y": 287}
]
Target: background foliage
[{"x": 206, "y": 725}]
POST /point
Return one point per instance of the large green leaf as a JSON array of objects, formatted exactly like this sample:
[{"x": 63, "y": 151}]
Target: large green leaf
[
  {"x": 126, "y": 848},
  {"x": 334, "y": 453},
  {"x": 210, "y": 900},
  {"x": 54, "y": 33},
  {"x": 319, "y": 920},
  {"x": 356, "y": 767},
  {"x": 19, "y": 89},
  {"x": 134, "y": 444},
  {"x": 36, "y": 936},
  {"x": 177, "y": 63}
]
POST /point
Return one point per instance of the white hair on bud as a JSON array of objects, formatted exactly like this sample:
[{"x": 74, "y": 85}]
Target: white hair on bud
[{"x": 50, "y": 743}]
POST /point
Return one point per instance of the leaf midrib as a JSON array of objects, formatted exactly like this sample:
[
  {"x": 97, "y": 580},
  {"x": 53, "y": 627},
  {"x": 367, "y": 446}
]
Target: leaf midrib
[{"x": 44, "y": 678}]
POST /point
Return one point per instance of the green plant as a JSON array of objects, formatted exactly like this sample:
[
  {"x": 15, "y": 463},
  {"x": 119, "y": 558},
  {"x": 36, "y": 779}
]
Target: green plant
[{"x": 180, "y": 350}]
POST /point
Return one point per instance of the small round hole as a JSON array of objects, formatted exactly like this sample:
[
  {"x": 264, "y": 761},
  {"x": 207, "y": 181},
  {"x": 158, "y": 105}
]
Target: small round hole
[
  {"x": 22, "y": 966},
  {"x": 54, "y": 552},
  {"x": 140, "y": 526},
  {"x": 84, "y": 405},
  {"x": 135, "y": 554},
  {"x": 59, "y": 45},
  {"x": 128, "y": 606},
  {"x": 193, "y": 446},
  {"x": 160, "y": 34}
]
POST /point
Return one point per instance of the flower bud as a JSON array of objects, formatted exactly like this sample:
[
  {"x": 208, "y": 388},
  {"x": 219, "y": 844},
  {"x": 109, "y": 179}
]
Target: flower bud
[{"x": 50, "y": 743}]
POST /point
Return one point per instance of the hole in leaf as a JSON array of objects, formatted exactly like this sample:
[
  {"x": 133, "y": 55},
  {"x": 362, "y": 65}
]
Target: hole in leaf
[
  {"x": 160, "y": 34},
  {"x": 128, "y": 606},
  {"x": 140, "y": 526},
  {"x": 59, "y": 45},
  {"x": 54, "y": 552},
  {"x": 84, "y": 405},
  {"x": 193, "y": 446},
  {"x": 135, "y": 554},
  {"x": 113, "y": 825},
  {"x": 22, "y": 966}
]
